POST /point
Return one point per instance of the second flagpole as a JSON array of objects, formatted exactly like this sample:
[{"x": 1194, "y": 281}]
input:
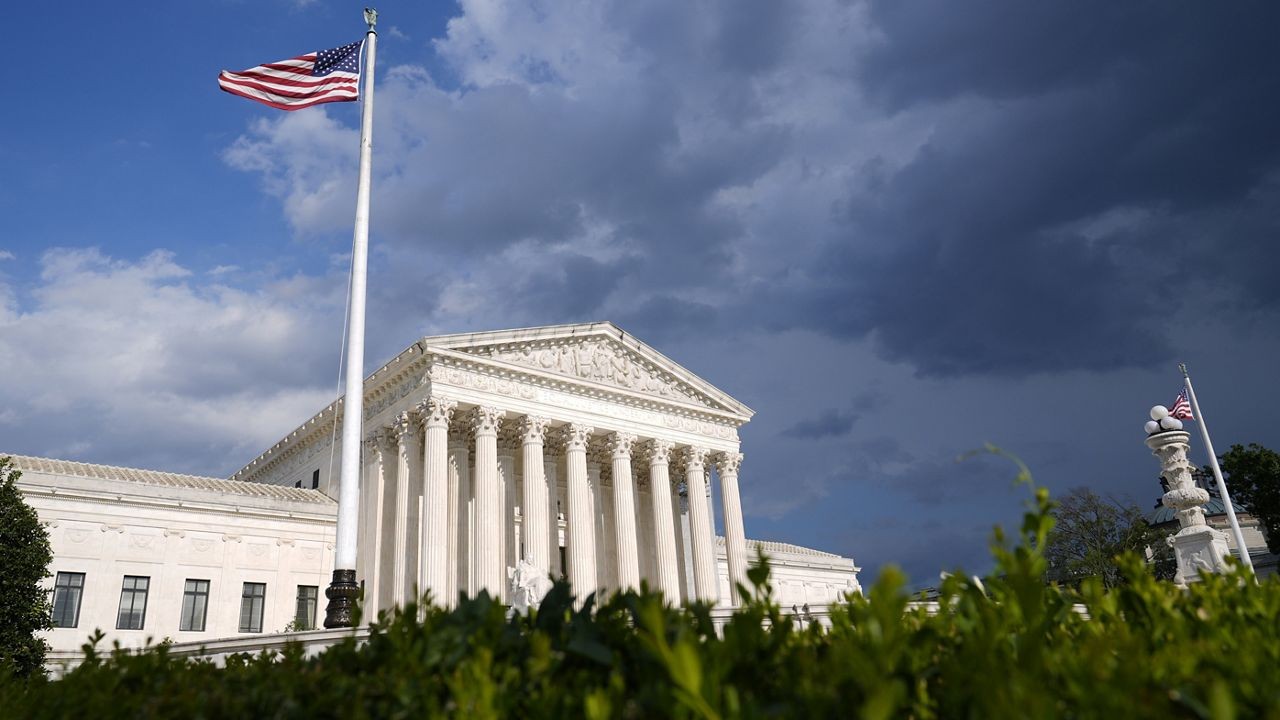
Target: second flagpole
[
  {"x": 343, "y": 590},
  {"x": 1217, "y": 471}
]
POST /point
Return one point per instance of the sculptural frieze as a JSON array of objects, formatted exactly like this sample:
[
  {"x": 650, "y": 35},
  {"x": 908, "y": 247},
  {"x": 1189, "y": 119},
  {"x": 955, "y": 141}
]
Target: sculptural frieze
[{"x": 597, "y": 360}]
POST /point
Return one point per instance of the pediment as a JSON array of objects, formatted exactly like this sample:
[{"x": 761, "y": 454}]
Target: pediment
[{"x": 597, "y": 353}]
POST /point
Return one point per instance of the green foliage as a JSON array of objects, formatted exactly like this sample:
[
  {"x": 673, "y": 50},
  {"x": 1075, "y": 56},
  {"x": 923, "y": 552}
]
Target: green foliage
[
  {"x": 1090, "y": 534},
  {"x": 1008, "y": 646},
  {"x": 1253, "y": 479},
  {"x": 24, "y": 562}
]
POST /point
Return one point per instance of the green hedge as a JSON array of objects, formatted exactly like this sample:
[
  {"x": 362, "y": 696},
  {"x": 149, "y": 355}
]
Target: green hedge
[{"x": 1007, "y": 646}]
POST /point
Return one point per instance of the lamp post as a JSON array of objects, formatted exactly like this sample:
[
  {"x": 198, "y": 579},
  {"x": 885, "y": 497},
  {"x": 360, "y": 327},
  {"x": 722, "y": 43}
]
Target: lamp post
[{"x": 1196, "y": 545}]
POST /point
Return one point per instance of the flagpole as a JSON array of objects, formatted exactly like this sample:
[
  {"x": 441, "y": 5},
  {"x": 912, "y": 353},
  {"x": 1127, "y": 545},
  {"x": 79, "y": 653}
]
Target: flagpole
[
  {"x": 343, "y": 590},
  {"x": 1217, "y": 471}
]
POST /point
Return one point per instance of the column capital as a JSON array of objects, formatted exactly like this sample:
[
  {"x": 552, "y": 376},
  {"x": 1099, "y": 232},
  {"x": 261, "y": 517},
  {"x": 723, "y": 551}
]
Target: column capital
[
  {"x": 659, "y": 451},
  {"x": 619, "y": 444},
  {"x": 695, "y": 457},
  {"x": 533, "y": 429},
  {"x": 436, "y": 411},
  {"x": 729, "y": 462},
  {"x": 403, "y": 427},
  {"x": 576, "y": 436},
  {"x": 485, "y": 420}
]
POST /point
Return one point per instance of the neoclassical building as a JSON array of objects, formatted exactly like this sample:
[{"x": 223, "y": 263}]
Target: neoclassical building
[{"x": 572, "y": 450}]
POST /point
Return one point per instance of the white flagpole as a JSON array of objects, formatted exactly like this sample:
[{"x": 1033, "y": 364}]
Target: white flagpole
[
  {"x": 1217, "y": 471},
  {"x": 343, "y": 590}
]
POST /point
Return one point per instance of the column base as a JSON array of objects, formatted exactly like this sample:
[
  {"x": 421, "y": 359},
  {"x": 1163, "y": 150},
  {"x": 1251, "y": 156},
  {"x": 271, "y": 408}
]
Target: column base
[
  {"x": 342, "y": 593},
  {"x": 1202, "y": 548}
]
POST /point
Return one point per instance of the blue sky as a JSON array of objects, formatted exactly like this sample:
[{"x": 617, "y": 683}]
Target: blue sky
[{"x": 898, "y": 231}]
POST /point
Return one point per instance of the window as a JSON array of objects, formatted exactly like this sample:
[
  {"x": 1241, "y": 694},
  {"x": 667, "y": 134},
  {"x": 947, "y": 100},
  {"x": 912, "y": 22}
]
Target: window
[
  {"x": 308, "y": 598},
  {"x": 315, "y": 479},
  {"x": 133, "y": 602},
  {"x": 195, "y": 605},
  {"x": 252, "y": 602},
  {"x": 67, "y": 591}
]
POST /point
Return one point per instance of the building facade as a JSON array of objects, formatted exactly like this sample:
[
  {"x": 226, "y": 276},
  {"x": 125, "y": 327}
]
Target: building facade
[{"x": 574, "y": 451}]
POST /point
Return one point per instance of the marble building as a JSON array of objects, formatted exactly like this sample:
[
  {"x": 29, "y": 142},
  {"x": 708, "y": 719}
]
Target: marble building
[{"x": 574, "y": 450}]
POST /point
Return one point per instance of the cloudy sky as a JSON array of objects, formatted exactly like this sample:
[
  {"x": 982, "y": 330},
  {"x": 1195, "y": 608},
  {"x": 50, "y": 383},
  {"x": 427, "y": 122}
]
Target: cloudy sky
[{"x": 896, "y": 230}]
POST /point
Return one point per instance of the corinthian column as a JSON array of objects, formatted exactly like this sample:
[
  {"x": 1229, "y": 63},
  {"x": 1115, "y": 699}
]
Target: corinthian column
[
  {"x": 706, "y": 585},
  {"x": 459, "y": 520},
  {"x": 435, "y": 413},
  {"x": 664, "y": 527},
  {"x": 487, "y": 543},
  {"x": 373, "y": 535},
  {"x": 735, "y": 537},
  {"x": 581, "y": 520},
  {"x": 408, "y": 490},
  {"x": 624, "y": 512},
  {"x": 533, "y": 522}
]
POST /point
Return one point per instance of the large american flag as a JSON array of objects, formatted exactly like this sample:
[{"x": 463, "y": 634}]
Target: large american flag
[
  {"x": 1181, "y": 408},
  {"x": 318, "y": 77}
]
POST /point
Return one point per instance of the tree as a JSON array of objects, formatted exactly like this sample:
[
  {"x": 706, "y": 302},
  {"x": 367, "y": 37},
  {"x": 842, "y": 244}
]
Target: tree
[
  {"x": 1253, "y": 479},
  {"x": 1092, "y": 531},
  {"x": 24, "y": 562}
]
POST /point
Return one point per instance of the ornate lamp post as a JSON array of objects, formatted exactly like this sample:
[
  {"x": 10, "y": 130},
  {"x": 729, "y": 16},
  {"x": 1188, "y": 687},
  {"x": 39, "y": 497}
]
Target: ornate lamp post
[{"x": 1196, "y": 545}]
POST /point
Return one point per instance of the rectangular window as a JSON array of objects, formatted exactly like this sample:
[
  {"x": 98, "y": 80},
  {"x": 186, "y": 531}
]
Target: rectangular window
[
  {"x": 308, "y": 598},
  {"x": 67, "y": 591},
  {"x": 133, "y": 602},
  {"x": 252, "y": 602},
  {"x": 195, "y": 605},
  {"x": 315, "y": 479}
]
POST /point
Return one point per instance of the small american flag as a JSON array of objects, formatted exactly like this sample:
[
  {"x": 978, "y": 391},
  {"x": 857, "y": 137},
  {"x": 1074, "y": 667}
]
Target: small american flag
[
  {"x": 318, "y": 77},
  {"x": 1181, "y": 408}
]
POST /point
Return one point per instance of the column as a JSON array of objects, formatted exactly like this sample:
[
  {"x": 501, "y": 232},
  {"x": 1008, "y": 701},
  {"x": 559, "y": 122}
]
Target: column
[
  {"x": 460, "y": 519},
  {"x": 606, "y": 548},
  {"x": 624, "y": 512},
  {"x": 373, "y": 546},
  {"x": 509, "y": 548},
  {"x": 408, "y": 490},
  {"x": 581, "y": 530},
  {"x": 487, "y": 538},
  {"x": 436, "y": 413},
  {"x": 663, "y": 520},
  {"x": 553, "y": 516},
  {"x": 735, "y": 537},
  {"x": 533, "y": 522},
  {"x": 704, "y": 547},
  {"x": 684, "y": 549},
  {"x": 386, "y": 560}
]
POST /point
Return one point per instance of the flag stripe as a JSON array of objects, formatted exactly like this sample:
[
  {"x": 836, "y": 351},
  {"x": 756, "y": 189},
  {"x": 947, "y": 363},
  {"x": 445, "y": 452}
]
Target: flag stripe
[
  {"x": 272, "y": 85},
  {"x": 305, "y": 78},
  {"x": 275, "y": 101}
]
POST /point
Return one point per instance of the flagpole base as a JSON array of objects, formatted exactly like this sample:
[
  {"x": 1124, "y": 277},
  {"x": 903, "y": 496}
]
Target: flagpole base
[{"x": 342, "y": 593}]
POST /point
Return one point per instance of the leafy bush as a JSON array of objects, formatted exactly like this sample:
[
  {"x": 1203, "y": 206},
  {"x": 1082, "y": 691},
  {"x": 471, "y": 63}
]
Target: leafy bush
[
  {"x": 24, "y": 562},
  {"x": 1009, "y": 645}
]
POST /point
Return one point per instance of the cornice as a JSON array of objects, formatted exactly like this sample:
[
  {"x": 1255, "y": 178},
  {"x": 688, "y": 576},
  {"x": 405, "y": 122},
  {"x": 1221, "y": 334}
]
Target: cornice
[{"x": 60, "y": 494}]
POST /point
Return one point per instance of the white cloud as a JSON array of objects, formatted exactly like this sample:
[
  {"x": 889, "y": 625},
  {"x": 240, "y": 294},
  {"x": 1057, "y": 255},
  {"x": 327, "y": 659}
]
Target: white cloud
[
  {"x": 6, "y": 255},
  {"x": 138, "y": 362}
]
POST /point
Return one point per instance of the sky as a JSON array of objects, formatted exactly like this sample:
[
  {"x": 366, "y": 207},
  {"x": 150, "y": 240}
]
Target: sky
[{"x": 898, "y": 231}]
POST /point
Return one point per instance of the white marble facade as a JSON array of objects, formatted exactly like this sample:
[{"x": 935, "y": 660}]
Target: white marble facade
[{"x": 577, "y": 449}]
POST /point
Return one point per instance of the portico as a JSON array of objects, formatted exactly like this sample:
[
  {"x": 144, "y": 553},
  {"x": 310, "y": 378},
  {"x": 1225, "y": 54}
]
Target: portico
[{"x": 576, "y": 449}]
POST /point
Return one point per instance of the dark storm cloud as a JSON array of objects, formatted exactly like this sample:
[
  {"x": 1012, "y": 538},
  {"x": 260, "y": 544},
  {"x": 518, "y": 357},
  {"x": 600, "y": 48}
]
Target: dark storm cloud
[
  {"x": 994, "y": 248},
  {"x": 831, "y": 423}
]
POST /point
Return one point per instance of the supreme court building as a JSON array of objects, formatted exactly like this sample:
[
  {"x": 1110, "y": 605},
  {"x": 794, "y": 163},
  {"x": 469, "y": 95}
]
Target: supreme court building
[{"x": 574, "y": 450}]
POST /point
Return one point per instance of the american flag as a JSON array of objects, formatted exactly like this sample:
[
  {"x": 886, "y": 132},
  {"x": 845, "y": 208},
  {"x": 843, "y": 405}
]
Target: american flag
[
  {"x": 1181, "y": 408},
  {"x": 318, "y": 77}
]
